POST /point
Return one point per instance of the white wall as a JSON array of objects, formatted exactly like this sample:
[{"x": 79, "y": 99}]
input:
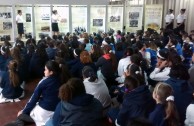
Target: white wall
[{"x": 75, "y": 2}]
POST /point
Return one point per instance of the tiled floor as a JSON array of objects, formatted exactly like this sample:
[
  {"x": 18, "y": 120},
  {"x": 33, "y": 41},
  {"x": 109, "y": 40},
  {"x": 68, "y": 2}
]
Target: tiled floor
[{"x": 8, "y": 111}]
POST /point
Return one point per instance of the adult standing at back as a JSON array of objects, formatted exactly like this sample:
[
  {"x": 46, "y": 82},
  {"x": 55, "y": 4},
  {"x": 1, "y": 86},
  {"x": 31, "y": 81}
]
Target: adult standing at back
[
  {"x": 20, "y": 23},
  {"x": 181, "y": 20},
  {"x": 55, "y": 19},
  {"x": 169, "y": 19}
]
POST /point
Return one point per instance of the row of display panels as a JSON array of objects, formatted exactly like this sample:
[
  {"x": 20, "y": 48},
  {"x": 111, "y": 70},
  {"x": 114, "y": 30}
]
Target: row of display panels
[
  {"x": 37, "y": 19},
  {"x": 41, "y": 19}
]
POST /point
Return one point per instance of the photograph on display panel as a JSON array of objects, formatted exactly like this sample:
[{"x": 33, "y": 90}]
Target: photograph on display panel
[
  {"x": 5, "y": 15},
  {"x": 7, "y": 25},
  {"x": 133, "y": 23},
  {"x": 28, "y": 17},
  {"x": 115, "y": 19},
  {"x": 97, "y": 22},
  {"x": 133, "y": 15}
]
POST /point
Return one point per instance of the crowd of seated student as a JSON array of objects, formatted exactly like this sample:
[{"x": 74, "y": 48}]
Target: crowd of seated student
[{"x": 104, "y": 66}]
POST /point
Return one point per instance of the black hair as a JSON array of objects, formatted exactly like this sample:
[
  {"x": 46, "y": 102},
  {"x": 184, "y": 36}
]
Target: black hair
[
  {"x": 87, "y": 71},
  {"x": 179, "y": 71},
  {"x": 131, "y": 83},
  {"x": 128, "y": 52},
  {"x": 19, "y": 11},
  {"x": 53, "y": 66}
]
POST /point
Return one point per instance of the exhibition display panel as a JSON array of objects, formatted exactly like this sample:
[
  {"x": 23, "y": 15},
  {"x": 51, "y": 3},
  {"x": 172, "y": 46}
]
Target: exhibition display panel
[
  {"x": 6, "y": 23},
  {"x": 79, "y": 18},
  {"x": 115, "y": 18},
  {"x": 97, "y": 18},
  {"x": 42, "y": 14}
]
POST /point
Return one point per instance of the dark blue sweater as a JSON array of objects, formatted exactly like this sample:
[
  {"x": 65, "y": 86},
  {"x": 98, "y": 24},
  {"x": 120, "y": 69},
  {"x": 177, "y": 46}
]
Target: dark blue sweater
[
  {"x": 46, "y": 93},
  {"x": 157, "y": 117},
  {"x": 83, "y": 110},
  {"x": 9, "y": 91},
  {"x": 137, "y": 103}
]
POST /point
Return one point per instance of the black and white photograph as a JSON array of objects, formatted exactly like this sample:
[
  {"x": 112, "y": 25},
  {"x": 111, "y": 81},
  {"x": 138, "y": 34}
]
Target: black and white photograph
[
  {"x": 45, "y": 17},
  {"x": 5, "y": 15},
  {"x": 115, "y": 19},
  {"x": 97, "y": 22},
  {"x": 133, "y": 15},
  {"x": 28, "y": 17},
  {"x": 7, "y": 25},
  {"x": 5, "y": 37},
  {"x": 133, "y": 23}
]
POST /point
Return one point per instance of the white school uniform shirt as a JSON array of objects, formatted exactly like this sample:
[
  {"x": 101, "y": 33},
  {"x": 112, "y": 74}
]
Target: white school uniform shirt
[
  {"x": 189, "y": 115},
  {"x": 122, "y": 66},
  {"x": 158, "y": 75},
  {"x": 180, "y": 18},
  {"x": 169, "y": 17},
  {"x": 19, "y": 19},
  {"x": 55, "y": 18}
]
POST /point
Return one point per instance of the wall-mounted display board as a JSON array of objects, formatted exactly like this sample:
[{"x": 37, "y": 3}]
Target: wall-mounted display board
[
  {"x": 134, "y": 17},
  {"x": 153, "y": 17},
  {"x": 6, "y": 23},
  {"x": 115, "y": 18},
  {"x": 97, "y": 18},
  {"x": 63, "y": 12},
  {"x": 42, "y": 15},
  {"x": 27, "y": 16},
  {"x": 79, "y": 17}
]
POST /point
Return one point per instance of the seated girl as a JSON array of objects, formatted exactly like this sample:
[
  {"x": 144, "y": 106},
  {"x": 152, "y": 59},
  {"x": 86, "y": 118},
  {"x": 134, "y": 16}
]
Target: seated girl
[
  {"x": 76, "y": 106},
  {"x": 10, "y": 84}
]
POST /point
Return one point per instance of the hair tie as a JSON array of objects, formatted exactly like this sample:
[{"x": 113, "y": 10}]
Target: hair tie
[
  {"x": 137, "y": 72},
  {"x": 74, "y": 53},
  {"x": 60, "y": 65},
  {"x": 2, "y": 52},
  {"x": 110, "y": 51},
  {"x": 170, "y": 98}
]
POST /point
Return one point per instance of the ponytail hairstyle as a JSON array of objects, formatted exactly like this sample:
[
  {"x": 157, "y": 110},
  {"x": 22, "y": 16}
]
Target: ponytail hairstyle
[
  {"x": 164, "y": 92},
  {"x": 64, "y": 71},
  {"x": 13, "y": 73},
  {"x": 88, "y": 72},
  {"x": 16, "y": 55},
  {"x": 73, "y": 88},
  {"x": 130, "y": 83},
  {"x": 107, "y": 51},
  {"x": 136, "y": 72}
]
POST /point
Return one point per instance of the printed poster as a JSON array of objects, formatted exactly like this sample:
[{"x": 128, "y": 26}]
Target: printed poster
[
  {"x": 153, "y": 17},
  {"x": 115, "y": 18},
  {"x": 134, "y": 16}
]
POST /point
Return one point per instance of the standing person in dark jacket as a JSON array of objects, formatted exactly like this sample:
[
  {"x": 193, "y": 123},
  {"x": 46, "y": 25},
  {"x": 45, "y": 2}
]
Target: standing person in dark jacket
[
  {"x": 76, "y": 106},
  {"x": 10, "y": 83},
  {"x": 44, "y": 100},
  {"x": 165, "y": 113}
]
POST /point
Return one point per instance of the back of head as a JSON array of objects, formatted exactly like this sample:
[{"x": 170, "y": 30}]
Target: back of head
[
  {"x": 164, "y": 93},
  {"x": 88, "y": 72},
  {"x": 130, "y": 83},
  {"x": 85, "y": 57},
  {"x": 73, "y": 88},
  {"x": 13, "y": 73}
]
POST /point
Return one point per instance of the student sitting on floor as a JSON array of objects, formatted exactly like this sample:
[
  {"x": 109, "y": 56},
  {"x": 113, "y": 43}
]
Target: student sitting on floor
[
  {"x": 77, "y": 108},
  {"x": 10, "y": 84}
]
